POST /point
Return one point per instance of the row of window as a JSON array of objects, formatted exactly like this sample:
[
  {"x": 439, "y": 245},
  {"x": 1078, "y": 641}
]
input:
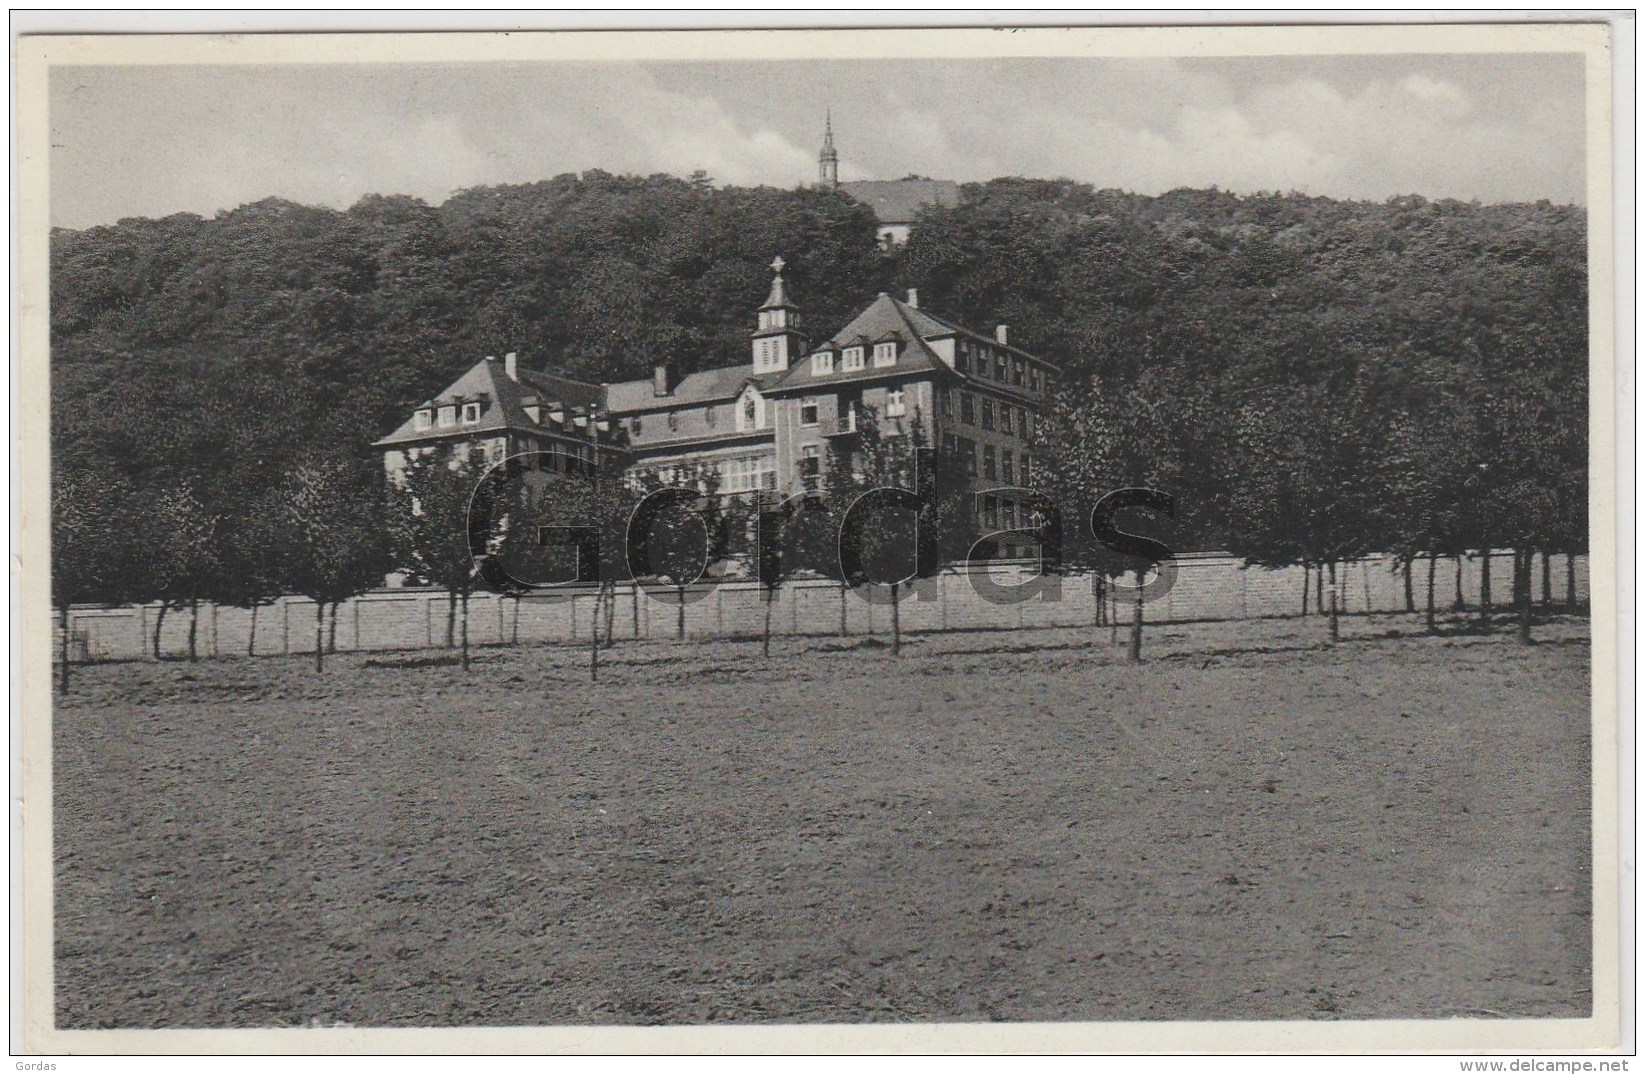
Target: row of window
[
  {"x": 997, "y": 464},
  {"x": 851, "y": 358},
  {"x": 1003, "y": 513},
  {"x": 748, "y": 473},
  {"x": 750, "y": 418},
  {"x": 445, "y": 417},
  {"x": 985, "y": 362},
  {"x": 896, "y": 406},
  {"x": 995, "y": 415}
]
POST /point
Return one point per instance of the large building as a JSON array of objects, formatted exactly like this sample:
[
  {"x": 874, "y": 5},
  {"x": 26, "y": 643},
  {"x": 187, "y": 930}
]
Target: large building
[{"x": 768, "y": 423}]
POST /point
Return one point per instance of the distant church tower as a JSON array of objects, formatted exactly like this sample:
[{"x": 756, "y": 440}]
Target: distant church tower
[
  {"x": 828, "y": 161},
  {"x": 777, "y": 340}
]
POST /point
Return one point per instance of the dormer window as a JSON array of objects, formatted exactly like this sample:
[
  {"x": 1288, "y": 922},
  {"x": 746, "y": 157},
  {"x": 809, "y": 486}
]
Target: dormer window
[
  {"x": 448, "y": 416},
  {"x": 424, "y": 419},
  {"x": 885, "y": 353},
  {"x": 851, "y": 359},
  {"x": 822, "y": 363},
  {"x": 471, "y": 414}
]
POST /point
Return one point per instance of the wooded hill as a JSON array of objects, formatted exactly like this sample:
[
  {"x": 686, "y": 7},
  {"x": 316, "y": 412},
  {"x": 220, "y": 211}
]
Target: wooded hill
[{"x": 275, "y": 330}]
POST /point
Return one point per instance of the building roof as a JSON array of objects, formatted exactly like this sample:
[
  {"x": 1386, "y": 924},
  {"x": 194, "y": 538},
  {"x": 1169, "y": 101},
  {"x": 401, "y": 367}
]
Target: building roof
[
  {"x": 895, "y": 201},
  {"x": 503, "y": 401},
  {"x": 704, "y": 386},
  {"x": 883, "y": 317}
]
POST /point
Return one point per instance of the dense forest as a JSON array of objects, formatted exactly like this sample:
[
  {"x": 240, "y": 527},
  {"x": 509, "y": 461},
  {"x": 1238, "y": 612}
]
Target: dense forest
[{"x": 1212, "y": 343}]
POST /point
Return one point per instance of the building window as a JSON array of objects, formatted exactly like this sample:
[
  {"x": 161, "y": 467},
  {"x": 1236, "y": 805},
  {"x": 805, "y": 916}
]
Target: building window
[
  {"x": 1026, "y": 423},
  {"x": 751, "y": 413},
  {"x": 851, "y": 358},
  {"x": 1008, "y": 513},
  {"x": 1006, "y": 467},
  {"x": 673, "y": 421},
  {"x": 962, "y": 357},
  {"x": 988, "y": 471},
  {"x": 990, "y": 512},
  {"x": 968, "y": 408},
  {"x": 999, "y": 367},
  {"x": 988, "y": 414},
  {"x": 471, "y": 414},
  {"x": 949, "y": 447},
  {"x": 711, "y": 416},
  {"x": 635, "y": 424},
  {"x": 1027, "y": 472},
  {"x": 846, "y": 408},
  {"x": 885, "y": 353},
  {"x": 448, "y": 416},
  {"x": 945, "y": 402},
  {"x": 896, "y": 404},
  {"x": 810, "y": 468},
  {"x": 808, "y": 412},
  {"x": 822, "y": 363},
  {"x": 424, "y": 419},
  {"x": 1016, "y": 371},
  {"x": 968, "y": 453}
]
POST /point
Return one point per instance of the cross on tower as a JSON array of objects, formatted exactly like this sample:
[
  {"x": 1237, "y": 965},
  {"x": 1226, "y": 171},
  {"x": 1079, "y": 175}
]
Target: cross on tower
[{"x": 777, "y": 264}]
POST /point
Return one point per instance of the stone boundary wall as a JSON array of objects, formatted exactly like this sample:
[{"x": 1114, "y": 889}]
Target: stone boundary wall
[{"x": 1208, "y": 587}]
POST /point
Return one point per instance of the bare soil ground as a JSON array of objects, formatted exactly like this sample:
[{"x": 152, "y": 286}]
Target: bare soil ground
[{"x": 992, "y": 827}]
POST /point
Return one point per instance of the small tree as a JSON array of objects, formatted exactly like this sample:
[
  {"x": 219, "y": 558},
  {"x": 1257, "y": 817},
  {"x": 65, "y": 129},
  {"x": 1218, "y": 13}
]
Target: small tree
[
  {"x": 429, "y": 519},
  {"x": 895, "y": 471},
  {"x": 792, "y": 536},
  {"x": 254, "y": 558},
  {"x": 175, "y": 556},
  {"x": 681, "y": 533},
  {"x": 337, "y": 546},
  {"x": 87, "y": 553}
]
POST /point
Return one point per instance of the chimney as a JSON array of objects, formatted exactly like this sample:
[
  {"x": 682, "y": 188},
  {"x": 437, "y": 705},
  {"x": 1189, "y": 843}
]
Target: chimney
[
  {"x": 914, "y": 298},
  {"x": 1000, "y": 333},
  {"x": 511, "y": 365},
  {"x": 659, "y": 380}
]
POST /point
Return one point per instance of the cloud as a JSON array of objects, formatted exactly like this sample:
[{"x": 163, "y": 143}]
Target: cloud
[{"x": 151, "y": 141}]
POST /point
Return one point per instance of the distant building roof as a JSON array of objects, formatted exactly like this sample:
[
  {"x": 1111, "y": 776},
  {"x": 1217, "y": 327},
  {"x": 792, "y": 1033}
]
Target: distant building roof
[{"x": 895, "y": 201}]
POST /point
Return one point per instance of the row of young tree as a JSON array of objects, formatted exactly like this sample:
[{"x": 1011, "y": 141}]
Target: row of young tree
[{"x": 1302, "y": 482}]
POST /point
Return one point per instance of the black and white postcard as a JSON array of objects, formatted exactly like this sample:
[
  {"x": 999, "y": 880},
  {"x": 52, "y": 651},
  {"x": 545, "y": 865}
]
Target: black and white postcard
[{"x": 1060, "y": 539}]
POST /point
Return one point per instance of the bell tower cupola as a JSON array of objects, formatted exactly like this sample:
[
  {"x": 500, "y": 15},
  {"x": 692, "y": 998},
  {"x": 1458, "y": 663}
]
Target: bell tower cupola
[{"x": 777, "y": 340}]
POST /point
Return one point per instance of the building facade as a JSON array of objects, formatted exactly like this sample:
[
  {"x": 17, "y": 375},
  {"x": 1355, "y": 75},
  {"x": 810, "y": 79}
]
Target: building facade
[{"x": 769, "y": 423}]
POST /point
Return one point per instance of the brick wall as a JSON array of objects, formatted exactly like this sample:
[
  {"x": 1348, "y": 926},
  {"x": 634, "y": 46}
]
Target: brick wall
[{"x": 1207, "y": 588}]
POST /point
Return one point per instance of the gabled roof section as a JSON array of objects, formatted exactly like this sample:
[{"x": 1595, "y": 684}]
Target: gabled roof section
[
  {"x": 884, "y": 317},
  {"x": 502, "y": 402},
  {"x": 895, "y": 201},
  {"x": 695, "y": 389}
]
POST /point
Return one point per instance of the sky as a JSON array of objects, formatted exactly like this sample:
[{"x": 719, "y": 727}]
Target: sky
[{"x": 155, "y": 140}]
